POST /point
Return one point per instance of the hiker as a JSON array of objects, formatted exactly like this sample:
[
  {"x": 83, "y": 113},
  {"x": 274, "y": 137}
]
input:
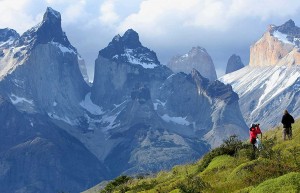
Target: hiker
[
  {"x": 287, "y": 121},
  {"x": 254, "y": 131}
]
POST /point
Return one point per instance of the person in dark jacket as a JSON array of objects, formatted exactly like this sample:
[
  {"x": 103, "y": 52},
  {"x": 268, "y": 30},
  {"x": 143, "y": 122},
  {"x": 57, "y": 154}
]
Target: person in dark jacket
[{"x": 287, "y": 121}]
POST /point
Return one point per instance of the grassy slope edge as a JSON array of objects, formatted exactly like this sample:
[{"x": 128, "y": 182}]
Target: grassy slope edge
[{"x": 232, "y": 167}]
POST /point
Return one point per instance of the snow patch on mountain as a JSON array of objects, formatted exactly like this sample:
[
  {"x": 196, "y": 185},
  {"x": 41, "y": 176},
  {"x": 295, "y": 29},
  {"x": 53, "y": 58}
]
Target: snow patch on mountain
[
  {"x": 88, "y": 105},
  {"x": 178, "y": 120},
  {"x": 129, "y": 53},
  {"x": 64, "y": 119},
  {"x": 265, "y": 92},
  {"x": 273, "y": 80},
  {"x": 16, "y": 99},
  {"x": 63, "y": 48}
]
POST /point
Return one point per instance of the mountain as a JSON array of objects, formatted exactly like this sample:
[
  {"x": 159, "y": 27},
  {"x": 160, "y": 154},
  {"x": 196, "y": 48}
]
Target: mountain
[
  {"x": 122, "y": 65},
  {"x": 197, "y": 58},
  {"x": 278, "y": 46},
  {"x": 234, "y": 63},
  {"x": 7, "y": 36},
  {"x": 38, "y": 156},
  {"x": 40, "y": 70},
  {"x": 148, "y": 112},
  {"x": 267, "y": 88},
  {"x": 137, "y": 116},
  {"x": 205, "y": 106},
  {"x": 41, "y": 87}
]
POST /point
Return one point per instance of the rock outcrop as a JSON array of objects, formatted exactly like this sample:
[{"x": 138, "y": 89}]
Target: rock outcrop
[
  {"x": 197, "y": 58},
  {"x": 278, "y": 46},
  {"x": 234, "y": 63},
  {"x": 123, "y": 65}
]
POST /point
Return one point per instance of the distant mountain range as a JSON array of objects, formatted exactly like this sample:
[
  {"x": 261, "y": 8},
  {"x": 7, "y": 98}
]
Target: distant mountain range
[{"x": 59, "y": 133}]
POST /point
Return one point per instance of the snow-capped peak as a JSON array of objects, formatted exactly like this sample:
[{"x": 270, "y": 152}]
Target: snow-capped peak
[
  {"x": 128, "y": 49},
  {"x": 287, "y": 33}
]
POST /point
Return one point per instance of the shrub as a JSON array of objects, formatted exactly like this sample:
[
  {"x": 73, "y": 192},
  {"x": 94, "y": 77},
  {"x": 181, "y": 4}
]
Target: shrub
[
  {"x": 144, "y": 185},
  {"x": 230, "y": 147},
  {"x": 117, "y": 184},
  {"x": 192, "y": 184}
]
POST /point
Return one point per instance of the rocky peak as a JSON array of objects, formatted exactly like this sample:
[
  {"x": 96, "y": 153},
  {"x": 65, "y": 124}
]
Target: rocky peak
[
  {"x": 278, "y": 46},
  {"x": 200, "y": 81},
  {"x": 214, "y": 89},
  {"x": 234, "y": 63},
  {"x": 52, "y": 16},
  {"x": 49, "y": 30},
  {"x": 128, "y": 49},
  {"x": 197, "y": 58},
  {"x": 196, "y": 50},
  {"x": 288, "y": 28},
  {"x": 131, "y": 39},
  {"x": 6, "y": 34}
]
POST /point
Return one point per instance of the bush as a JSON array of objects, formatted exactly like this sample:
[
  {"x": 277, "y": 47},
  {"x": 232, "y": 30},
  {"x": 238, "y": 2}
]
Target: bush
[
  {"x": 230, "y": 146},
  {"x": 144, "y": 185},
  {"x": 117, "y": 184},
  {"x": 192, "y": 184}
]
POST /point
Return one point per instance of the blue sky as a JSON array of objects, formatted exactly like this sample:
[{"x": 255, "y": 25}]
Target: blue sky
[{"x": 169, "y": 27}]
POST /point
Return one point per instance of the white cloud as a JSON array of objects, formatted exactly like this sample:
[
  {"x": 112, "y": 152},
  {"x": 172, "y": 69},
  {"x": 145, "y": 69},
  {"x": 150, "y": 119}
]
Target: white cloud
[
  {"x": 108, "y": 14},
  {"x": 16, "y": 14},
  {"x": 74, "y": 11},
  {"x": 157, "y": 16}
]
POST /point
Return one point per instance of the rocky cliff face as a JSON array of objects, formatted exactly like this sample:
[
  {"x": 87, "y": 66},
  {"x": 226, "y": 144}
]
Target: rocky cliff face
[
  {"x": 38, "y": 156},
  {"x": 40, "y": 70},
  {"x": 210, "y": 108},
  {"x": 234, "y": 63},
  {"x": 121, "y": 66},
  {"x": 197, "y": 58},
  {"x": 41, "y": 83},
  {"x": 146, "y": 142},
  {"x": 278, "y": 46},
  {"x": 151, "y": 113}
]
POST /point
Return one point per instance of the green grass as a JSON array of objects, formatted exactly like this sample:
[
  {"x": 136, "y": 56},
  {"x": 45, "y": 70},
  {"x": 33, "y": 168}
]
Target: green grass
[
  {"x": 286, "y": 183},
  {"x": 233, "y": 167}
]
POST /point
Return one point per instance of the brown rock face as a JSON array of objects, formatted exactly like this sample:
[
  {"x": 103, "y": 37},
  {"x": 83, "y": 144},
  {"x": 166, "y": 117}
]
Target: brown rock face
[{"x": 278, "y": 46}]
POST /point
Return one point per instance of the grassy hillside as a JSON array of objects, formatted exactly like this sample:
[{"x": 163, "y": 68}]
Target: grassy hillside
[{"x": 233, "y": 167}]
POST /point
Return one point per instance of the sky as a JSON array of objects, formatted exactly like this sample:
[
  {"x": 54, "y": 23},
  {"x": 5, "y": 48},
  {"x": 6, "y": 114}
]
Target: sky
[{"x": 168, "y": 27}]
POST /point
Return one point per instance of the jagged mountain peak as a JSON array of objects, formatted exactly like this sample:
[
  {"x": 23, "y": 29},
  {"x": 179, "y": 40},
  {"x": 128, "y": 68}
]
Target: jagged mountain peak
[
  {"x": 278, "y": 46},
  {"x": 47, "y": 31},
  {"x": 197, "y": 50},
  {"x": 214, "y": 89},
  {"x": 128, "y": 49},
  {"x": 7, "y": 33},
  {"x": 197, "y": 58},
  {"x": 288, "y": 28},
  {"x": 52, "y": 16},
  {"x": 198, "y": 78},
  {"x": 117, "y": 38},
  {"x": 234, "y": 63},
  {"x": 131, "y": 39}
]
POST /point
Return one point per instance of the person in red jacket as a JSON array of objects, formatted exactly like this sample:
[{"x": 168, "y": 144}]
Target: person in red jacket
[{"x": 254, "y": 131}]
